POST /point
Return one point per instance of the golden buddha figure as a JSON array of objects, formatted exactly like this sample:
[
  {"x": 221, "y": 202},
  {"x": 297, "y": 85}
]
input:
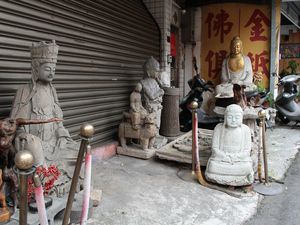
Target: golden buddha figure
[{"x": 236, "y": 69}]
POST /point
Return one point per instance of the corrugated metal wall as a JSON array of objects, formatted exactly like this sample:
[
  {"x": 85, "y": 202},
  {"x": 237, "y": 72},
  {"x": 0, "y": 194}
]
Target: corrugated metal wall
[{"x": 103, "y": 45}]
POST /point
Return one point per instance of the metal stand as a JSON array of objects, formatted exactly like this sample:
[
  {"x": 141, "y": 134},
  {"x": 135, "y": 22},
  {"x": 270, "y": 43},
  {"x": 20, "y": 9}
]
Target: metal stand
[
  {"x": 24, "y": 162},
  {"x": 188, "y": 174},
  {"x": 265, "y": 188},
  {"x": 86, "y": 133}
]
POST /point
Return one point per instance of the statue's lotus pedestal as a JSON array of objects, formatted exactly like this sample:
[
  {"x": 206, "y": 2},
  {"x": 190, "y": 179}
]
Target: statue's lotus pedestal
[{"x": 136, "y": 151}]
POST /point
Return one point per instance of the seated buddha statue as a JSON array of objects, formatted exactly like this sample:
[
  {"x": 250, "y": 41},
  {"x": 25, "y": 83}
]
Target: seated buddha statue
[
  {"x": 50, "y": 143},
  {"x": 230, "y": 162},
  {"x": 236, "y": 69}
]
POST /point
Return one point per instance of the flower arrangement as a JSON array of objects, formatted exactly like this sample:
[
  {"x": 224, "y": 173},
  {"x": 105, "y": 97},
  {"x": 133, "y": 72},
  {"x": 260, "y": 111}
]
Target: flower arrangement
[{"x": 48, "y": 176}]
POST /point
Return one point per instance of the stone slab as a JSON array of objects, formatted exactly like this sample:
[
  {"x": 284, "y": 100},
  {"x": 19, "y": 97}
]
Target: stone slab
[
  {"x": 160, "y": 141},
  {"x": 180, "y": 150},
  {"x": 136, "y": 152},
  {"x": 59, "y": 204}
]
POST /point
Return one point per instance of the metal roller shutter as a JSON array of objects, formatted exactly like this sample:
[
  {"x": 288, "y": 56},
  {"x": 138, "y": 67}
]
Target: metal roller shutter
[{"x": 103, "y": 45}]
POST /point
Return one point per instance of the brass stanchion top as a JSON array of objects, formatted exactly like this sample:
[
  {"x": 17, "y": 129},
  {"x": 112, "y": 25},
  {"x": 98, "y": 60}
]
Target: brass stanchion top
[
  {"x": 87, "y": 130},
  {"x": 262, "y": 114},
  {"x": 193, "y": 105},
  {"x": 24, "y": 160}
]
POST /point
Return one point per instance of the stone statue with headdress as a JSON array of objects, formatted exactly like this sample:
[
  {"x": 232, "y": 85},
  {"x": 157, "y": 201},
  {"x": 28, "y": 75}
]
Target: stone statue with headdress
[{"x": 50, "y": 143}]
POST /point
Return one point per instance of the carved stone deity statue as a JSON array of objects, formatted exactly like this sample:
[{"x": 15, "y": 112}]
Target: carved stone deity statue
[
  {"x": 137, "y": 111},
  {"x": 152, "y": 92},
  {"x": 236, "y": 69},
  {"x": 230, "y": 162},
  {"x": 50, "y": 143}
]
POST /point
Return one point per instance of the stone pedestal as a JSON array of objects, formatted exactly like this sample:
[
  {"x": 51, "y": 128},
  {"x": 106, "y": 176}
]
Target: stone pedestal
[
  {"x": 59, "y": 204},
  {"x": 135, "y": 151}
]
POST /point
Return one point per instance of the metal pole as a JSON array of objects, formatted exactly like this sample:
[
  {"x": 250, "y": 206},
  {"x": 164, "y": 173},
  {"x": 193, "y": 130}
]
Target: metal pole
[
  {"x": 87, "y": 186},
  {"x": 260, "y": 147},
  {"x": 262, "y": 116},
  {"x": 273, "y": 48},
  {"x": 265, "y": 152},
  {"x": 23, "y": 199},
  {"x": 86, "y": 133},
  {"x": 193, "y": 107},
  {"x": 266, "y": 188}
]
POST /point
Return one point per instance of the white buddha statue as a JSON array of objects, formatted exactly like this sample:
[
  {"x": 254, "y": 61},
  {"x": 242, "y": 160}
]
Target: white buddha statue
[{"x": 230, "y": 162}]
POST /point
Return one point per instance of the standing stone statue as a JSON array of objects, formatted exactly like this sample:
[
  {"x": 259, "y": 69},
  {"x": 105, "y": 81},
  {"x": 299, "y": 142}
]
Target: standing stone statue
[
  {"x": 236, "y": 69},
  {"x": 230, "y": 162},
  {"x": 152, "y": 92},
  {"x": 50, "y": 143}
]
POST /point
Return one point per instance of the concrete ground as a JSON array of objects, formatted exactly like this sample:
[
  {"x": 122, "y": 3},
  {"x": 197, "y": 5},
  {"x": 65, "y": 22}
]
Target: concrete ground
[{"x": 150, "y": 192}]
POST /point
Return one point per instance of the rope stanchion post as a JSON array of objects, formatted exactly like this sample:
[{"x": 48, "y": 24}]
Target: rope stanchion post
[
  {"x": 86, "y": 132},
  {"x": 24, "y": 161},
  {"x": 265, "y": 188}
]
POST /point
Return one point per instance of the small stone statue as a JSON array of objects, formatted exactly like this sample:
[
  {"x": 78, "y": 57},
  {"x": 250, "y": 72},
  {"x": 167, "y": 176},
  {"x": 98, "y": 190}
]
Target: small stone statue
[
  {"x": 152, "y": 92},
  {"x": 230, "y": 162},
  {"x": 145, "y": 134},
  {"x": 50, "y": 143},
  {"x": 137, "y": 111},
  {"x": 236, "y": 69}
]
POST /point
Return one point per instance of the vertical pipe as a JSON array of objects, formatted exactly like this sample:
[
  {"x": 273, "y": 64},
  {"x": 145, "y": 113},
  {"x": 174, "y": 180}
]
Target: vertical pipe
[
  {"x": 87, "y": 186},
  {"x": 265, "y": 152},
  {"x": 273, "y": 48},
  {"x": 195, "y": 140},
  {"x": 260, "y": 147},
  {"x": 193, "y": 106}
]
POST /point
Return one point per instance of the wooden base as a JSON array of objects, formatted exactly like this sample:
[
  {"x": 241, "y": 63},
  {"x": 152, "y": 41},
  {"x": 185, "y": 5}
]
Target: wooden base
[{"x": 4, "y": 215}]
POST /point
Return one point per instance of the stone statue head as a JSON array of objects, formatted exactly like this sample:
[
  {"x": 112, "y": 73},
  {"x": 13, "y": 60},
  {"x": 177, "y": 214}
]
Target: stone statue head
[
  {"x": 236, "y": 46},
  {"x": 233, "y": 116},
  {"x": 151, "y": 67},
  {"x": 138, "y": 87},
  {"x": 44, "y": 58}
]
